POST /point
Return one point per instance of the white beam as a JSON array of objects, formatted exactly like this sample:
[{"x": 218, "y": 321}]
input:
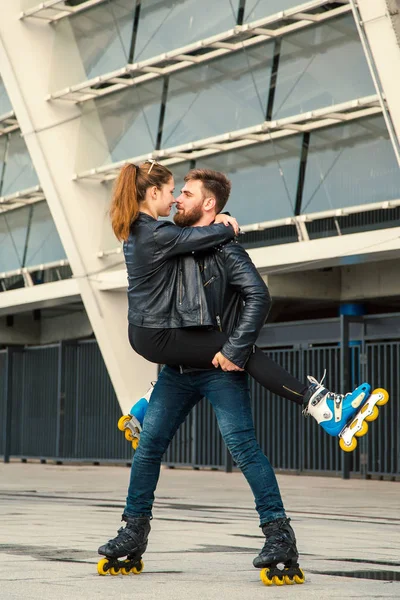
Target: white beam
[
  {"x": 39, "y": 296},
  {"x": 222, "y": 44},
  {"x": 54, "y": 10},
  {"x": 381, "y": 46},
  {"x": 311, "y": 120}
]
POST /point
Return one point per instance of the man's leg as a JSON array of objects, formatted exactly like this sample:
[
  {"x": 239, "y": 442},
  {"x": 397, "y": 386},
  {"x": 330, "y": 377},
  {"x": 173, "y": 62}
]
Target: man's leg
[
  {"x": 171, "y": 401},
  {"x": 229, "y": 395}
]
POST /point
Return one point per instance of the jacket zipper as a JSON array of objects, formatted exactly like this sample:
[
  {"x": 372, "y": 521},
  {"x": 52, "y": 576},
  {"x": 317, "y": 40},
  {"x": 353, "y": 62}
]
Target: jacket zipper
[
  {"x": 219, "y": 322},
  {"x": 209, "y": 281},
  {"x": 180, "y": 286},
  {"x": 201, "y": 306}
]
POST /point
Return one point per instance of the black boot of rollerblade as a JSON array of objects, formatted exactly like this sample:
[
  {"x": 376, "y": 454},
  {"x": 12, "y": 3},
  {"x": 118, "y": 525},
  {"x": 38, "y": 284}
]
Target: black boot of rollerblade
[
  {"x": 131, "y": 542},
  {"x": 279, "y": 547}
]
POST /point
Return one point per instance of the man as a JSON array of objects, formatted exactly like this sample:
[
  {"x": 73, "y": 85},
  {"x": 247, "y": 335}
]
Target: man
[{"x": 228, "y": 275}]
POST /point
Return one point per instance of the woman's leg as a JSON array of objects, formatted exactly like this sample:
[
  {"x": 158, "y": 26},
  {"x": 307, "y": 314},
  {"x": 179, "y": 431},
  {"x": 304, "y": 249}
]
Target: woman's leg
[{"x": 197, "y": 347}]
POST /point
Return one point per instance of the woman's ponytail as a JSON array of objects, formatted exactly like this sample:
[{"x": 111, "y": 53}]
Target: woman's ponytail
[{"x": 124, "y": 205}]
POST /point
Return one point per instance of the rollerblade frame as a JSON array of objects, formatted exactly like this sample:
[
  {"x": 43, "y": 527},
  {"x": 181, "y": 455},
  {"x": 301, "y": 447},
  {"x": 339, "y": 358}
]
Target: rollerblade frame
[{"x": 359, "y": 424}]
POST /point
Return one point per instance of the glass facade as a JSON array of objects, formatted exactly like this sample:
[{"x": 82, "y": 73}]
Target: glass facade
[
  {"x": 349, "y": 165},
  {"x": 5, "y": 104},
  {"x": 258, "y": 9},
  {"x": 260, "y": 190},
  {"x": 18, "y": 173},
  {"x": 317, "y": 67},
  {"x": 28, "y": 237}
]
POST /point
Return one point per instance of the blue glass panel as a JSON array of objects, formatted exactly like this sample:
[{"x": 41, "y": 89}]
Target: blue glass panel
[
  {"x": 103, "y": 35},
  {"x": 226, "y": 94},
  {"x": 170, "y": 24},
  {"x": 320, "y": 66},
  {"x": 257, "y": 9},
  {"x": 13, "y": 229},
  {"x": 19, "y": 173},
  {"x": 129, "y": 121},
  {"x": 44, "y": 244},
  {"x": 349, "y": 165},
  {"x": 264, "y": 179},
  {"x": 5, "y": 104}
]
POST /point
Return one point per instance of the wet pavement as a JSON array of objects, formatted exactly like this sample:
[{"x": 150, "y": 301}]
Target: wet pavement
[{"x": 204, "y": 535}]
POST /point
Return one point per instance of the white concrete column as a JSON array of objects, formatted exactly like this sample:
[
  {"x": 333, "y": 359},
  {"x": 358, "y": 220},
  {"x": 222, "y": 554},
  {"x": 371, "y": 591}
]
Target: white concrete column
[
  {"x": 376, "y": 20},
  {"x": 36, "y": 58}
]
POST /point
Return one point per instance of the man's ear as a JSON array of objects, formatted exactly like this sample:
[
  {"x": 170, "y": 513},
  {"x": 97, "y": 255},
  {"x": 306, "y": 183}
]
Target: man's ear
[{"x": 209, "y": 203}]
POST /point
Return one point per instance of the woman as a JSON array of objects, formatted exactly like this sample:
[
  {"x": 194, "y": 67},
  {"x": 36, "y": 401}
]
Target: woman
[{"x": 159, "y": 328}]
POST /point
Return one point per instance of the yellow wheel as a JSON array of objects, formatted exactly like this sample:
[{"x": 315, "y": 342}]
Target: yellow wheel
[
  {"x": 278, "y": 580},
  {"x": 135, "y": 443},
  {"x": 123, "y": 421},
  {"x": 288, "y": 581},
  {"x": 264, "y": 577},
  {"x": 345, "y": 448},
  {"x": 101, "y": 566},
  {"x": 384, "y": 394},
  {"x": 115, "y": 571},
  {"x": 137, "y": 570},
  {"x": 129, "y": 435},
  {"x": 374, "y": 415},
  {"x": 125, "y": 570},
  {"x": 363, "y": 430},
  {"x": 299, "y": 579}
]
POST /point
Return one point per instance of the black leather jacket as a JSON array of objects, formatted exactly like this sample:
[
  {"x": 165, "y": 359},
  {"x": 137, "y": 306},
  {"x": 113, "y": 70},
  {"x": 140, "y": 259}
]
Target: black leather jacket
[
  {"x": 160, "y": 293},
  {"x": 237, "y": 297}
]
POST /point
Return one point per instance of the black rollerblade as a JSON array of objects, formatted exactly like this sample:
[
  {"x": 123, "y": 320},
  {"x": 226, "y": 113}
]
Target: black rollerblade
[
  {"x": 131, "y": 542},
  {"x": 279, "y": 547}
]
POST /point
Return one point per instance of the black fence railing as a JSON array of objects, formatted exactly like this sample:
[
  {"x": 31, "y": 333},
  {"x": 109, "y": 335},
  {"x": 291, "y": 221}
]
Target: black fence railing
[{"x": 57, "y": 403}]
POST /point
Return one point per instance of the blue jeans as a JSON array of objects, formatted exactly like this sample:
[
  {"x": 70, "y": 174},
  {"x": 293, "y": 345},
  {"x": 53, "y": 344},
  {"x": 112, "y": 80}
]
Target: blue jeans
[{"x": 173, "y": 397}]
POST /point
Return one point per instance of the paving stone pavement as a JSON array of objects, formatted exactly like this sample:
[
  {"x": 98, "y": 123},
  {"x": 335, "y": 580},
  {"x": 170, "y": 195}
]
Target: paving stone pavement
[{"x": 204, "y": 535}]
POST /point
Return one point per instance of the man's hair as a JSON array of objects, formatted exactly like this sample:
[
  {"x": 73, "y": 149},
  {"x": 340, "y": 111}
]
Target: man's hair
[{"x": 214, "y": 182}]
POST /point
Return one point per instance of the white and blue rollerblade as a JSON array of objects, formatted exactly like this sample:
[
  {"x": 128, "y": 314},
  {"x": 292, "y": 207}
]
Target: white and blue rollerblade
[
  {"x": 132, "y": 423},
  {"x": 341, "y": 415}
]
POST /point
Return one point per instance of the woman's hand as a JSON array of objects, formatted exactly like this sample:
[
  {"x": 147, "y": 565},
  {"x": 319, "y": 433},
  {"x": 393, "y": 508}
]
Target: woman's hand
[
  {"x": 220, "y": 360},
  {"x": 228, "y": 220}
]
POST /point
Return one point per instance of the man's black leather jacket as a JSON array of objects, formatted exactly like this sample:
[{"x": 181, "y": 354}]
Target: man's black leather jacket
[
  {"x": 160, "y": 293},
  {"x": 237, "y": 297}
]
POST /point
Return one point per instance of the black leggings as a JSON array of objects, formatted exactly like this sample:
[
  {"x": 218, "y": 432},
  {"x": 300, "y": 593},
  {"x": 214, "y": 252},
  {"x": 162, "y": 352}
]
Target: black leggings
[{"x": 197, "y": 347}]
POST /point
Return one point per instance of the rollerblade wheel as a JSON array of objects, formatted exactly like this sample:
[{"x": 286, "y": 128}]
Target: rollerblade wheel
[
  {"x": 125, "y": 570},
  {"x": 138, "y": 568},
  {"x": 102, "y": 566},
  {"x": 278, "y": 580},
  {"x": 300, "y": 578},
  {"x": 135, "y": 443},
  {"x": 123, "y": 421},
  {"x": 115, "y": 571},
  {"x": 374, "y": 415},
  {"x": 129, "y": 435},
  {"x": 385, "y": 395},
  {"x": 345, "y": 447},
  {"x": 264, "y": 577},
  {"x": 288, "y": 580},
  {"x": 363, "y": 430}
]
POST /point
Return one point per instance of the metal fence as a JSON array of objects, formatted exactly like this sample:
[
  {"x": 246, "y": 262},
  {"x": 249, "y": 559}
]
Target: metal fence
[{"x": 59, "y": 404}]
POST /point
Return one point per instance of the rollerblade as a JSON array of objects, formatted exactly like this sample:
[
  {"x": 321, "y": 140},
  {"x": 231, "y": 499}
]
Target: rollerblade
[
  {"x": 132, "y": 423},
  {"x": 131, "y": 542},
  {"x": 341, "y": 415},
  {"x": 279, "y": 547}
]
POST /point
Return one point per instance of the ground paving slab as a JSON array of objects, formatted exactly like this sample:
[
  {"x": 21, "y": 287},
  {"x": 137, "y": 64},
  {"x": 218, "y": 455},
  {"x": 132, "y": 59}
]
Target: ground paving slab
[{"x": 204, "y": 535}]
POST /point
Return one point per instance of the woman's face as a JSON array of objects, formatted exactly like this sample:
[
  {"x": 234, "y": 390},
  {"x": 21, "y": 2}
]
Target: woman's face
[{"x": 165, "y": 198}]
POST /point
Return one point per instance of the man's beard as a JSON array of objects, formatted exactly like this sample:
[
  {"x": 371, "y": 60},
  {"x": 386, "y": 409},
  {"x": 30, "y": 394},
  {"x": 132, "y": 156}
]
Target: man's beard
[{"x": 189, "y": 217}]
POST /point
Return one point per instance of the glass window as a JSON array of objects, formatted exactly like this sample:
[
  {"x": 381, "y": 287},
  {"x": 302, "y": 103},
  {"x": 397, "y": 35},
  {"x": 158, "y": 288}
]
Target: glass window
[
  {"x": 258, "y": 9},
  {"x": 223, "y": 95},
  {"x": 169, "y": 24},
  {"x": 349, "y": 165},
  {"x": 264, "y": 179},
  {"x": 321, "y": 66},
  {"x": 124, "y": 125},
  {"x": 42, "y": 239},
  {"x": 103, "y": 35},
  {"x": 5, "y": 104},
  {"x": 44, "y": 244},
  {"x": 19, "y": 173}
]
